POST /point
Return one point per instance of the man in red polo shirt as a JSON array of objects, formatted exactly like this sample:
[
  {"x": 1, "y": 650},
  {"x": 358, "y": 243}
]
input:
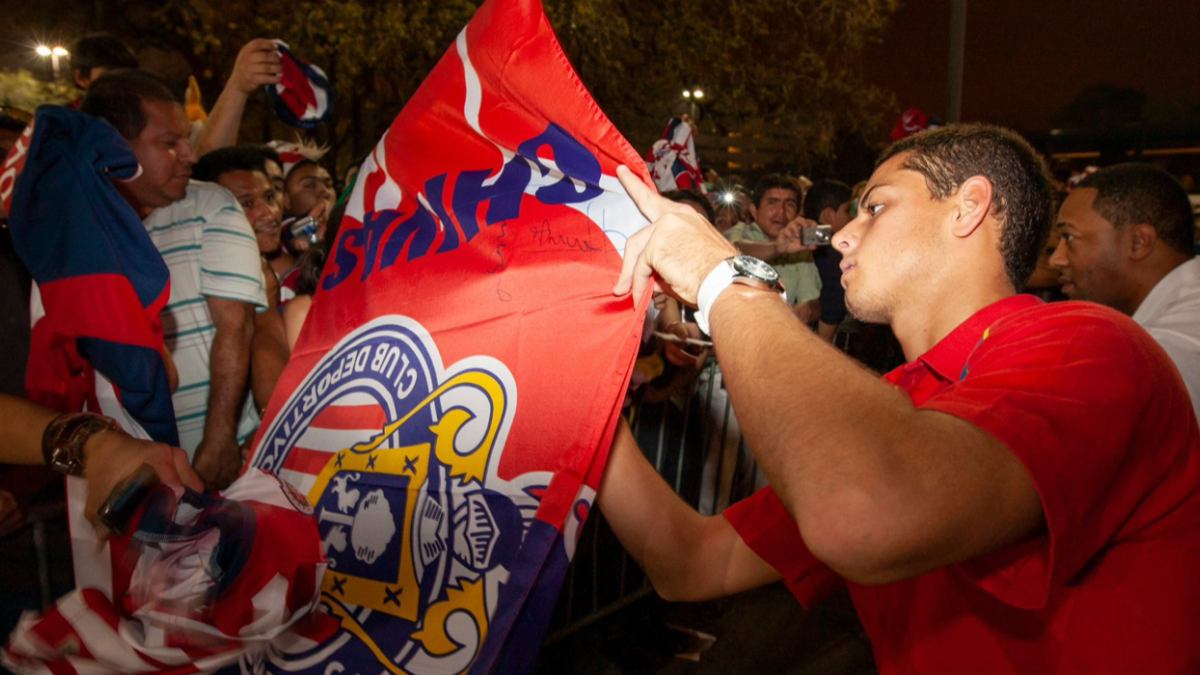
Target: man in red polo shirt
[{"x": 1021, "y": 497}]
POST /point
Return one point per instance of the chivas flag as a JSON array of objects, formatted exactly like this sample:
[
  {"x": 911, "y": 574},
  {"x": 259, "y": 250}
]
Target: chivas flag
[{"x": 450, "y": 402}]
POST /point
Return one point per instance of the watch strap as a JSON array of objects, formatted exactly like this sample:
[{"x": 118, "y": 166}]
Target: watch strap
[{"x": 720, "y": 278}]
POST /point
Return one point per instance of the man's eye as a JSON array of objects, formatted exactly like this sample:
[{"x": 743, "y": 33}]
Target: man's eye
[
  {"x": 874, "y": 209},
  {"x": 1067, "y": 237}
]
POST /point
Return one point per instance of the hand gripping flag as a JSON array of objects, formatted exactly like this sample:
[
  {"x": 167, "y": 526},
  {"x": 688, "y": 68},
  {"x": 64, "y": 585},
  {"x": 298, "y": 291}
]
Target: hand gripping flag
[
  {"x": 451, "y": 399},
  {"x": 97, "y": 337},
  {"x": 303, "y": 97},
  {"x": 198, "y": 582},
  {"x": 202, "y": 580}
]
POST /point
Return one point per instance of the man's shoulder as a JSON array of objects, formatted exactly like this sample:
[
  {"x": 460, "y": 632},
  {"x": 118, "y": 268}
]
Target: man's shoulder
[
  {"x": 745, "y": 230},
  {"x": 1174, "y": 304},
  {"x": 210, "y": 197},
  {"x": 1077, "y": 336},
  {"x": 200, "y": 203},
  {"x": 1087, "y": 321}
]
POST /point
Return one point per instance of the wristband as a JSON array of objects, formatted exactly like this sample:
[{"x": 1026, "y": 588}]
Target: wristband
[
  {"x": 742, "y": 269},
  {"x": 717, "y": 280}
]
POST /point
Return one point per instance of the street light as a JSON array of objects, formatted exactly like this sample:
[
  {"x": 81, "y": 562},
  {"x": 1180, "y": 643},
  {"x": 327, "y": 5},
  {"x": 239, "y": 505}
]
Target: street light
[
  {"x": 54, "y": 53},
  {"x": 693, "y": 96}
]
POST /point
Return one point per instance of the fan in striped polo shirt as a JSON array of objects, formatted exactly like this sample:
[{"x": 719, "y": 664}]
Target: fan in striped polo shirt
[{"x": 216, "y": 275}]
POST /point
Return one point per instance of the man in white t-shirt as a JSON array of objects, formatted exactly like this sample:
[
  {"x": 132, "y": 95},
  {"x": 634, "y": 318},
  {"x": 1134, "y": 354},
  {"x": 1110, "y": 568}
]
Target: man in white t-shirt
[
  {"x": 216, "y": 276},
  {"x": 1127, "y": 243}
]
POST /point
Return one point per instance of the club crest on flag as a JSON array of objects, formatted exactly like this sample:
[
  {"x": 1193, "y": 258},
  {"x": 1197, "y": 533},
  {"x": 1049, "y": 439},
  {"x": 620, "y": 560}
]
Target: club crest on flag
[{"x": 398, "y": 457}]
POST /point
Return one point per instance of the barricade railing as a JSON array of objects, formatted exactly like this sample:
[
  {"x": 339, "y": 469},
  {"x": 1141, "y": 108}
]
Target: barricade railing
[{"x": 694, "y": 442}]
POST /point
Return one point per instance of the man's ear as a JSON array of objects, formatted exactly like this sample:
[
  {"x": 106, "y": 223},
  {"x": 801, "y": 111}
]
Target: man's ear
[
  {"x": 826, "y": 216},
  {"x": 754, "y": 212},
  {"x": 1142, "y": 238},
  {"x": 972, "y": 203},
  {"x": 81, "y": 80}
]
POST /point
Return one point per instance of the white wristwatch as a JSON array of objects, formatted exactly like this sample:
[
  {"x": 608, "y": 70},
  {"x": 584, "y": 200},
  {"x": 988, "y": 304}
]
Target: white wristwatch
[{"x": 741, "y": 269}]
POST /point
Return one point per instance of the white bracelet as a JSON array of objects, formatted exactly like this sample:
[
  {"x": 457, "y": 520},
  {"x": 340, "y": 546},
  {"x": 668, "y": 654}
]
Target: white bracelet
[{"x": 717, "y": 280}]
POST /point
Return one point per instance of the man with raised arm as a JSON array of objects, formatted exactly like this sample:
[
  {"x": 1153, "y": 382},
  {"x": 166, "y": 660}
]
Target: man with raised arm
[
  {"x": 217, "y": 282},
  {"x": 774, "y": 237},
  {"x": 1020, "y": 497}
]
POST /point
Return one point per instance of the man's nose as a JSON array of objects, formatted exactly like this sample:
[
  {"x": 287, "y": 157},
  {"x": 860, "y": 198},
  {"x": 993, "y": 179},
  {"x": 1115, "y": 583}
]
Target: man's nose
[
  {"x": 1059, "y": 257},
  {"x": 186, "y": 153},
  {"x": 846, "y": 239}
]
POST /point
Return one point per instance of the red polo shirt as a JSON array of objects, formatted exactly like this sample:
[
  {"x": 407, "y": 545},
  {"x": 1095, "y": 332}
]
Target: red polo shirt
[{"x": 1101, "y": 420}]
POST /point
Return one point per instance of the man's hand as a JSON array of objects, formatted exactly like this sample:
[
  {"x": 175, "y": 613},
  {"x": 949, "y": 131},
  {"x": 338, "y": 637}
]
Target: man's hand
[
  {"x": 112, "y": 456},
  {"x": 685, "y": 355},
  {"x": 217, "y": 462},
  {"x": 11, "y": 518},
  {"x": 258, "y": 63},
  {"x": 789, "y": 240},
  {"x": 807, "y": 312},
  {"x": 679, "y": 247}
]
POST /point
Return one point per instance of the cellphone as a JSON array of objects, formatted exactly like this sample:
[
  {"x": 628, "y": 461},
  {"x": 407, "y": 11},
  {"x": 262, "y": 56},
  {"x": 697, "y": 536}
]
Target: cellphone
[
  {"x": 303, "y": 227},
  {"x": 124, "y": 500},
  {"x": 671, "y": 337},
  {"x": 818, "y": 235}
]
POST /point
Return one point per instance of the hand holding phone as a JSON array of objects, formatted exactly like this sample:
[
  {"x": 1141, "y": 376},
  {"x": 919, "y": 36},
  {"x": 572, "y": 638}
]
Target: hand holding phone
[{"x": 124, "y": 500}]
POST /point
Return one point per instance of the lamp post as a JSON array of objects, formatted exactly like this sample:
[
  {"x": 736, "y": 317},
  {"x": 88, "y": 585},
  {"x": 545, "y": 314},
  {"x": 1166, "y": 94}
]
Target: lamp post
[
  {"x": 54, "y": 53},
  {"x": 693, "y": 97}
]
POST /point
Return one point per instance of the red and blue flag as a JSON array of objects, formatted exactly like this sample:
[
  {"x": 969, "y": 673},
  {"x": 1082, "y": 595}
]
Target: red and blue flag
[
  {"x": 451, "y": 399},
  {"x": 96, "y": 341}
]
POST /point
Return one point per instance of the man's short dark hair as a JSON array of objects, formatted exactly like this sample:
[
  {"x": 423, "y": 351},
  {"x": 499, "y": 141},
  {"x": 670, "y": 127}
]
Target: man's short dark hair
[
  {"x": 1133, "y": 194},
  {"x": 101, "y": 50},
  {"x": 117, "y": 97},
  {"x": 1021, "y": 185},
  {"x": 289, "y": 170},
  {"x": 776, "y": 180},
  {"x": 691, "y": 197},
  {"x": 825, "y": 194},
  {"x": 269, "y": 154},
  {"x": 223, "y": 160}
]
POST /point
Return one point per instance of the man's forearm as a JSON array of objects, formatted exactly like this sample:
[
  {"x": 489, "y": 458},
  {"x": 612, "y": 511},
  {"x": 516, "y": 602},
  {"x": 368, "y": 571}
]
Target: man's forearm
[
  {"x": 687, "y": 556},
  {"x": 763, "y": 250},
  {"x": 23, "y": 423},
  {"x": 229, "y": 366},
  {"x": 269, "y": 355},
  {"x": 880, "y": 489},
  {"x": 221, "y": 128}
]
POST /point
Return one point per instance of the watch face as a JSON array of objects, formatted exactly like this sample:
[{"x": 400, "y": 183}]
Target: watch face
[{"x": 755, "y": 268}]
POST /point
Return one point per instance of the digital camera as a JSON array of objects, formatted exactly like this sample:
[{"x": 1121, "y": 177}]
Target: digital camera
[{"x": 817, "y": 235}]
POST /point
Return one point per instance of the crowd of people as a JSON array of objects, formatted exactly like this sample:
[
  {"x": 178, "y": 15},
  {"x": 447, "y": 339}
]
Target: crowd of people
[{"x": 1028, "y": 478}]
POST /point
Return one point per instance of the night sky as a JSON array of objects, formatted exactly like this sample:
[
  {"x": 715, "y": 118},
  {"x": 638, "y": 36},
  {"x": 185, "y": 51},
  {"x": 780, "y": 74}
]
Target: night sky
[{"x": 1025, "y": 59}]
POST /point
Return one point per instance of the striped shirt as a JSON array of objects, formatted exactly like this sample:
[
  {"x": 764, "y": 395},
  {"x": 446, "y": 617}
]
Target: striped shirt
[{"x": 211, "y": 251}]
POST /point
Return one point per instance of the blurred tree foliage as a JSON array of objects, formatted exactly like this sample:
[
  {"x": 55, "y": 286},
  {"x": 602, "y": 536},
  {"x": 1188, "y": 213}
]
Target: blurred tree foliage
[
  {"x": 20, "y": 89},
  {"x": 788, "y": 69}
]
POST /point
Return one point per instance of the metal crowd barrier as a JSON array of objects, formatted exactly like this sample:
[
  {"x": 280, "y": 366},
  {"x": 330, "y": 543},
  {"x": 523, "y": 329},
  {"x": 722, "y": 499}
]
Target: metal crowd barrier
[{"x": 694, "y": 442}]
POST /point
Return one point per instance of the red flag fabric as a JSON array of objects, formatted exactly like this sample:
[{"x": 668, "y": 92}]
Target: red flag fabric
[
  {"x": 451, "y": 398},
  {"x": 197, "y": 582}
]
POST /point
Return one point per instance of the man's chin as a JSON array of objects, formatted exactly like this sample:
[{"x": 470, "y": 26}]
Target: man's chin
[{"x": 868, "y": 311}]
